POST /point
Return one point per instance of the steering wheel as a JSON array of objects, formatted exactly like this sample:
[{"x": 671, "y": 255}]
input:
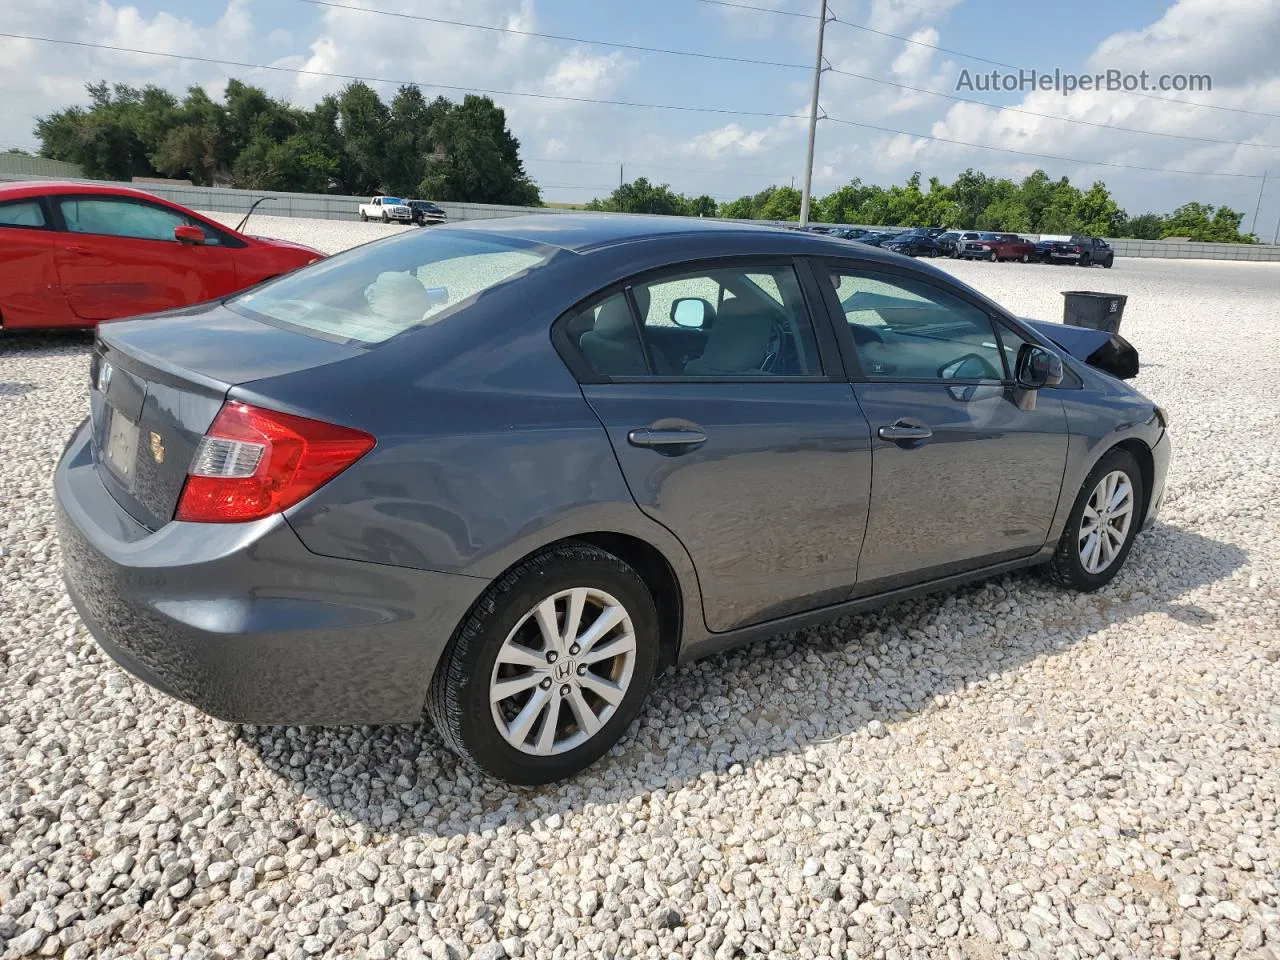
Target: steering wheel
[{"x": 773, "y": 354}]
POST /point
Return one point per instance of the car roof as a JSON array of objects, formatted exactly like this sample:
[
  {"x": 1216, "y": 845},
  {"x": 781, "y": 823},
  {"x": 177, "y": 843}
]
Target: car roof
[
  {"x": 44, "y": 188},
  {"x": 584, "y": 232}
]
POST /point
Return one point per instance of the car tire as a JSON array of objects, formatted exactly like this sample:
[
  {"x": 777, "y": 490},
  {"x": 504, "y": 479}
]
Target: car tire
[
  {"x": 1074, "y": 563},
  {"x": 1109, "y": 261},
  {"x": 993, "y": 256},
  {"x": 1026, "y": 258},
  {"x": 1084, "y": 261},
  {"x": 385, "y": 218},
  {"x": 490, "y": 648},
  {"x": 364, "y": 217}
]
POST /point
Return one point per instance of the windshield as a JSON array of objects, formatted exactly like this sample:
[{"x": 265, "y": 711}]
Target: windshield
[
  {"x": 373, "y": 292},
  {"x": 387, "y": 200}
]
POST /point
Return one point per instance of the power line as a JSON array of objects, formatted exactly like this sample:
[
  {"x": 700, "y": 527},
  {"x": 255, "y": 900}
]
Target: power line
[
  {"x": 1041, "y": 156},
  {"x": 1010, "y": 66},
  {"x": 1050, "y": 116},
  {"x": 553, "y": 36},
  {"x": 84, "y": 44},
  {"x": 921, "y": 43},
  {"x": 644, "y": 165},
  {"x": 668, "y": 51},
  {"x": 430, "y": 86},
  {"x": 747, "y": 6}
]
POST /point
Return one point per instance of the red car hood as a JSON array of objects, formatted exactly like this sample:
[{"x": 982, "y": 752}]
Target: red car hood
[{"x": 288, "y": 244}]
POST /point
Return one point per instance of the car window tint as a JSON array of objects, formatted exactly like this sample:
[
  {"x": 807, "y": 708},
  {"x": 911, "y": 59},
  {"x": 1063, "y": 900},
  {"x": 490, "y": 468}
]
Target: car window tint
[
  {"x": 727, "y": 323},
  {"x": 904, "y": 329},
  {"x": 608, "y": 340},
  {"x": 120, "y": 218},
  {"x": 21, "y": 213},
  {"x": 754, "y": 323},
  {"x": 768, "y": 283}
]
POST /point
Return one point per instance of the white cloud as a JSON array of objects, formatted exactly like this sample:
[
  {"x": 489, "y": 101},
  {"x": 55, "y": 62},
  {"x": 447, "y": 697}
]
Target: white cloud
[
  {"x": 582, "y": 75},
  {"x": 729, "y": 140},
  {"x": 913, "y": 62}
]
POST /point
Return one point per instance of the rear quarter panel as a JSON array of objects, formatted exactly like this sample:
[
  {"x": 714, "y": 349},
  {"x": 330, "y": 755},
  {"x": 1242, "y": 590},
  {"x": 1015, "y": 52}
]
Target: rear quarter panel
[{"x": 486, "y": 449}]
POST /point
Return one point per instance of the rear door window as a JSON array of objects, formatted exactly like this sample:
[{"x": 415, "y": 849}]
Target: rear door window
[
  {"x": 722, "y": 323},
  {"x": 22, "y": 213}
]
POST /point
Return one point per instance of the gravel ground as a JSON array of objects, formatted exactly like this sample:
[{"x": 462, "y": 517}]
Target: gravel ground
[{"x": 1005, "y": 770}]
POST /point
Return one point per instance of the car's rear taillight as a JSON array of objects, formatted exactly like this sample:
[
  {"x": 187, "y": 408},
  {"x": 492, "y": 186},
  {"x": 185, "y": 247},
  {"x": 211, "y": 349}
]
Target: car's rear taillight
[{"x": 255, "y": 462}]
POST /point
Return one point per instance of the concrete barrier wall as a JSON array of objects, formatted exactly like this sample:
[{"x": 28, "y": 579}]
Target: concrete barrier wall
[{"x": 330, "y": 207}]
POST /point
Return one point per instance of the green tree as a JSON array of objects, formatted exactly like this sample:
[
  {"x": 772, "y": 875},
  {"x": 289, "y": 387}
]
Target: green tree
[
  {"x": 1205, "y": 222},
  {"x": 700, "y": 206},
  {"x": 641, "y": 196},
  {"x": 783, "y": 203},
  {"x": 1145, "y": 226},
  {"x": 476, "y": 158},
  {"x": 740, "y": 209},
  {"x": 1098, "y": 214},
  {"x": 365, "y": 124}
]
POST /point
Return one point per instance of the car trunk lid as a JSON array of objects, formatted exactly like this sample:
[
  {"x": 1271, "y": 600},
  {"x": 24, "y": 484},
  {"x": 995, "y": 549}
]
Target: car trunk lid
[{"x": 157, "y": 383}]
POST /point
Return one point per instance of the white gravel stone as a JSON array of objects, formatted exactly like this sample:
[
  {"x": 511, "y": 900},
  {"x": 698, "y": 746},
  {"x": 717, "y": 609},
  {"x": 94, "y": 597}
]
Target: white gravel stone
[{"x": 1007, "y": 768}]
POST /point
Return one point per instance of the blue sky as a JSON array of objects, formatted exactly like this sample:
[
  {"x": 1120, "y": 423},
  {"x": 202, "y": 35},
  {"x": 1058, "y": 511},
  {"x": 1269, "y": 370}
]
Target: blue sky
[{"x": 573, "y": 149}]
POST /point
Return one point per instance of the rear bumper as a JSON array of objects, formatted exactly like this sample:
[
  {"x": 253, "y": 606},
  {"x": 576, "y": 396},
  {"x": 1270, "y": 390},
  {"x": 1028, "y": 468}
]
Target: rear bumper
[{"x": 242, "y": 621}]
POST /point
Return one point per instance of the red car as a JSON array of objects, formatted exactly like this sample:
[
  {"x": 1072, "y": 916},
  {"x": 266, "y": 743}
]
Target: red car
[
  {"x": 999, "y": 246},
  {"x": 72, "y": 254}
]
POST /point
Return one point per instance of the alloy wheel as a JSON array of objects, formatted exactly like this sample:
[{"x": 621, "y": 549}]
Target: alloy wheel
[
  {"x": 1105, "y": 523},
  {"x": 562, "y": 672}
]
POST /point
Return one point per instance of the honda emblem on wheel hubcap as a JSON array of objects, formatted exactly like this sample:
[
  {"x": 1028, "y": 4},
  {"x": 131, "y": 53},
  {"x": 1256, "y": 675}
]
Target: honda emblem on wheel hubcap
[{"x": 563, "y": 669}]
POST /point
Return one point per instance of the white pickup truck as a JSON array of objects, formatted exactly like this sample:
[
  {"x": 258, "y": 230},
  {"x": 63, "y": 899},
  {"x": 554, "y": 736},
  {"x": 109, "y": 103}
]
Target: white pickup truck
[{"x": 386, "y": 209}]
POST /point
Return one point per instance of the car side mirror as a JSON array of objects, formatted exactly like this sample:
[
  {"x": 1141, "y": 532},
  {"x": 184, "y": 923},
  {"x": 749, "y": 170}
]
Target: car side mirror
[
  {"x": 690, "y": 312},
  {"x": 1038, "y": 367},
  {"x": 185, "y": 233}
]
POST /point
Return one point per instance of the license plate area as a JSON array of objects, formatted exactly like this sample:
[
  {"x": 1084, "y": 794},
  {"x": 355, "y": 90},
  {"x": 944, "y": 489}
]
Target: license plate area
[{"x": 121, "y": 450}]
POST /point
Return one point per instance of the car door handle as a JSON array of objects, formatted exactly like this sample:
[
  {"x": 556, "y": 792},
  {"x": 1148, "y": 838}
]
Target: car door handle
[
  {"x": 667, "y": 440},
  {"x": 906, "y": 430}
]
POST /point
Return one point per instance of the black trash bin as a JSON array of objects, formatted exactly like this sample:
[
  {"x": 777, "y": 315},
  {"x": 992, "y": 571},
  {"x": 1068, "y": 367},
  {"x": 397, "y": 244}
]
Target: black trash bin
[{"x": 1097, "y": 311}]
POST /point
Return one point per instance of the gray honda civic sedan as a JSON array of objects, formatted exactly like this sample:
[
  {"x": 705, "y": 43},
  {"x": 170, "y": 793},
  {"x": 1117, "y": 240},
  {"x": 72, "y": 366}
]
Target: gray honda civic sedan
[{"x": 507, "y": 472}]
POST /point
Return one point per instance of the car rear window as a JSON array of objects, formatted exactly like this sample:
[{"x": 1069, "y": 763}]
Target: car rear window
[{"x": 369, "y": 294}]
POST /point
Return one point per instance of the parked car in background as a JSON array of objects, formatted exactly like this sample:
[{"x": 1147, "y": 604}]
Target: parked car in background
[
  {"x": 426, "y": 213},
  {"x": 386, "y": 209},
  {"x": 999, "y": 246},
  {"x": 506, "y": 502},
  {"x": 1081, "y": 250},
  {"x": 913, "y": 243},
  {"x": 74, "y": 254},
  {"x": 872, "y": 239},
  {"x": 849, "y": 233},
  {"x": 951, "y": 241}
]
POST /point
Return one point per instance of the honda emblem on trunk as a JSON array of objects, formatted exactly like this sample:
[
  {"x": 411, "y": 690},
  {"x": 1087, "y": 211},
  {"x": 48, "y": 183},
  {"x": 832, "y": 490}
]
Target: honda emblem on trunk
[{"x": 157, "y": 448}]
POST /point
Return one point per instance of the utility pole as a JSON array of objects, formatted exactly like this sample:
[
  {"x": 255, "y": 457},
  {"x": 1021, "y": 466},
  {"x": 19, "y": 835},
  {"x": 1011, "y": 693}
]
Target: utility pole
[
  {"x": 813, "y": 119},
  {"x": 1254, "y": 226},
  {"x": 620, "y": 168}
]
